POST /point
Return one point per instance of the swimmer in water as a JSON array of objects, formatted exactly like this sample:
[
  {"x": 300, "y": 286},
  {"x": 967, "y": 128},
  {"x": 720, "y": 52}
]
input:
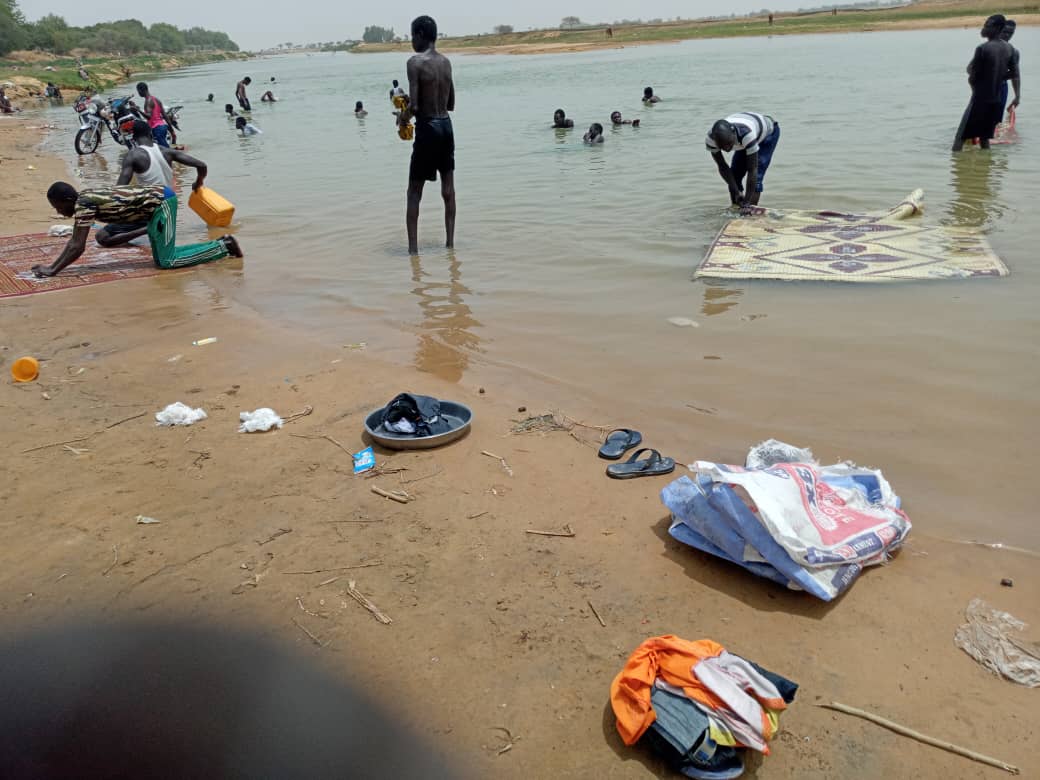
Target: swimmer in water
[
  {"x": 649, "y": 98},
  {"x": 617, "y": 121},
  {"x": 268, "y": 97},
  {"x": 209, "y": 98},
  {"x": 560, "y": 120},
  {"x": 594, "y": 135},
  {"x": 359, "y": 110},
  {"x": 247, "y": 128},
  {"x": 230, "y": 111}
]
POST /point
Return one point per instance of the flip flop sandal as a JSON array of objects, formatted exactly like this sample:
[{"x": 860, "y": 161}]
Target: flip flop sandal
[
  {"x": 653, "y": 466},
  {"x": 619, "y": 442}
]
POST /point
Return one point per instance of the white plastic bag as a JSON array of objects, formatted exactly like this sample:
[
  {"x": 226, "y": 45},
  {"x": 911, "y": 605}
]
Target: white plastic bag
[
  {"x": 261, "y": 420},
  {"x": 989, "y": 638},
  {"x": 771, "y": 452},
  {"x": 179, "y": 414}
]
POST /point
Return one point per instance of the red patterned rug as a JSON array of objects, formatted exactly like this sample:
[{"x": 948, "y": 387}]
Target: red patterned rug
[{"x": 18, "y": 254}]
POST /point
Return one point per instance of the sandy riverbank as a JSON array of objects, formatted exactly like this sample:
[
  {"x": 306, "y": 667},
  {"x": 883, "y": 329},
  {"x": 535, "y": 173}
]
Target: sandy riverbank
[{"x": 491, "y": 625}]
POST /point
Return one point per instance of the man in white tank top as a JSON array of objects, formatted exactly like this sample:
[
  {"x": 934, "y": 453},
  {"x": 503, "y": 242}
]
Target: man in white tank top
[{"x": 148, "y": 165}]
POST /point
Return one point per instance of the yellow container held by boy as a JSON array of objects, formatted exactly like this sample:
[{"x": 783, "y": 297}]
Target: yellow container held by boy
[{"x": 214, "y": 210}]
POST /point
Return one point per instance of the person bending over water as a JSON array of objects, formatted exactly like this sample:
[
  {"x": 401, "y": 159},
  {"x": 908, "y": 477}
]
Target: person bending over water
[
  {"x": 155, "y": 206},
  {"x": 560, "y": 120},
  {"x": 594, "y": 135},
  {"x": 649, "y": 97},
  {"x": 268, "y": 97},
  {"x": 617, "y": 121},
  {"x": 754, "y": 138},
  {"x": 247, "y": 128},
  {"x": 988, "y": 70},
  {"x": 432, "y": 96},
  {"x": 359, "y": 110}
]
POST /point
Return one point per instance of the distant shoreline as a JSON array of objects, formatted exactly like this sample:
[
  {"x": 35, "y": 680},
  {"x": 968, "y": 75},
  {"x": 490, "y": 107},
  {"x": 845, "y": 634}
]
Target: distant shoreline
[{"x": 925, "y": 16}]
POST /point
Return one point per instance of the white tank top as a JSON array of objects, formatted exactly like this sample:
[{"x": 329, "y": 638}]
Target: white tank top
[{"x": 159, "y": 173}]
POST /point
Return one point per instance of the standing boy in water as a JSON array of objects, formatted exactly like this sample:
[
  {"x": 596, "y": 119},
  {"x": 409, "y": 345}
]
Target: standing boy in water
[
  {"x": 432, "y": 97},
  {"x": 991, "y": 66},
  {"x": 240, "y": 94}
]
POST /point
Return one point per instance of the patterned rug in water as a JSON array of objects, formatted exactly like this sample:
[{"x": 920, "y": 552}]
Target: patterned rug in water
[
  {"x": 18, "y": 254},
  {"x": 828, "y": 246}
]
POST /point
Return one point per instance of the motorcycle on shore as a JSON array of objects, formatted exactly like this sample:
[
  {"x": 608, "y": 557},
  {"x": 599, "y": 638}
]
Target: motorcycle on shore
[{"x": 117, "y": 116}]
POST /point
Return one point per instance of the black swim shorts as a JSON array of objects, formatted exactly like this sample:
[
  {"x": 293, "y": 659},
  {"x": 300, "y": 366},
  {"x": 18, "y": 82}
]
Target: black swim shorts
[{"x": 433, "y": 151}]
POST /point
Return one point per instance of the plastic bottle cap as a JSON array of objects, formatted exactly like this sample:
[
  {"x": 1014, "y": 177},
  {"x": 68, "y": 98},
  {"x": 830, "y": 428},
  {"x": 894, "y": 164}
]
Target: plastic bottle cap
[{"x": 25, "y": 369}]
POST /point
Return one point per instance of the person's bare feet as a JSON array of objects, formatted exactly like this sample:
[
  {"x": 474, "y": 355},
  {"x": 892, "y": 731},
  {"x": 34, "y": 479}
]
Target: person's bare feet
[
  {"x": 232, "y": 246},
  {"x": 42, "y": 272}
]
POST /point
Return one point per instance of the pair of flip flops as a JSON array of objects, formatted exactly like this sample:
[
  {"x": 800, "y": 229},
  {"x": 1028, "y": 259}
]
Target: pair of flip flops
[{"x": 622, "y": 440}]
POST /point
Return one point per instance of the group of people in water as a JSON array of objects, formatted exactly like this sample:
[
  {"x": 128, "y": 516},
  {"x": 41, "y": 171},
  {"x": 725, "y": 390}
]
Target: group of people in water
[
  {"x": 244, "y": 124},
  {"x": 750, "y": 137}
]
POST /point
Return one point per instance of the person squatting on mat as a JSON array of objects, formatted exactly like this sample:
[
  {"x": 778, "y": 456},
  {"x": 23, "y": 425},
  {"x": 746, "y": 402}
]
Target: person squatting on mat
[
  {"x": 754, "y": 137},
  {"x": 156, "y": 206}
]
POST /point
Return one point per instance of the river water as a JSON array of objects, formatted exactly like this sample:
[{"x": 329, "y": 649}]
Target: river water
[{"x": 570, "y": 260}]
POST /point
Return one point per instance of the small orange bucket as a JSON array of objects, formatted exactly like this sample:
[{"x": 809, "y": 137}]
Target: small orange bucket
[{"x": 25, "y": 369}]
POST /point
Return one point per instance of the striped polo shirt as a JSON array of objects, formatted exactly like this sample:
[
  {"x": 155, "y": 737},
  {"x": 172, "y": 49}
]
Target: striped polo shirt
[{"x": 752, "y": 129}]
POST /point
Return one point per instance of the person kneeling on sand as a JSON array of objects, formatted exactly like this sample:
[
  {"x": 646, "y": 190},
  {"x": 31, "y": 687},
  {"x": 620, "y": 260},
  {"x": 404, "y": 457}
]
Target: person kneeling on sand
[
  {"x": 617, "y": 121},
  {"x": 594, "y": 135},
  {"x": 122, "y": 205},
  {"x": 560, "y": 120}
]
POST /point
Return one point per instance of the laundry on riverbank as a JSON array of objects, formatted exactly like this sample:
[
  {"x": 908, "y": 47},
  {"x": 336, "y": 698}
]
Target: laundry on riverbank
[
  {"x": 802, "y": 525},
  {"x": 836, "y": 247},
  {"x": 414, "y": 415},
  {"x": 698, "y": 705}
]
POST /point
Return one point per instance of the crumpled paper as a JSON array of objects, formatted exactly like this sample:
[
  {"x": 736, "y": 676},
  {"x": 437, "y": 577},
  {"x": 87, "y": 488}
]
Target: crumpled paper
[
  {"x": 260, "y": 420},
  {"x": 179, "y": 414}
]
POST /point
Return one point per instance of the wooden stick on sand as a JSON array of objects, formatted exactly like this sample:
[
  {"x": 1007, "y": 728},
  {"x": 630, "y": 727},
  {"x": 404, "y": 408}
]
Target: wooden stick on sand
[
  {"x": 941, "y": 744},
  {"x": 363, "y": 600},
  {"x": 500, "y": 459},
  {"x": 567, "y": 532},
  {"x": 398, "y": 495}
]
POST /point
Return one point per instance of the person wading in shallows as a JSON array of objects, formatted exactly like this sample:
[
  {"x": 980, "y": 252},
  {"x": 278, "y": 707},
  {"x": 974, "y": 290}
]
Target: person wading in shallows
[
  {"x": 432, "y": 97},
  {"x": 752, "y": 138}
]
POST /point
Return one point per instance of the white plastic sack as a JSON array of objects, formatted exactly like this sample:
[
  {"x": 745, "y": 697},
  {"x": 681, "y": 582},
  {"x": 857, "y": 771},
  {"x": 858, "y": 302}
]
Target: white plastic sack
[
  {"x": 60, "y": 231},
  {"x": 261, "y": 420},
  {"x": 989, "y": 638},
  {"x": 820, "y": 523},
  {"x": 179, "y": 414},
  {"x": 771, "y": 452}
]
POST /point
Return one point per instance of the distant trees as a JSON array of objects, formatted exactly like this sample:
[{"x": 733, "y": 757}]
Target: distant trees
[
  {"x": 376, "y": 34},
  {"x": 503, "y": 29},
  {"x": 570, "y": 22},
  {"x": 127, "y": 36}
]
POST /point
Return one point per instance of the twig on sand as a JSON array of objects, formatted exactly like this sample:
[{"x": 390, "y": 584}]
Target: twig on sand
[
  {"x": 323, "y": 436},
  {"x": 74, "y": 450},
  {"x": 275, "y": 535},
  {"x": 363, "y": 600},
  {"x": 329, "y": 581},
  {"x": 397, "y": 495},
  {"x": 115, "y": 560},
  {"x": 594, "y": 612},
  {"x": 906, "y": 732},
  {"x": 126, "y": 419},
  {"x": 474, "y": 517},
  {"x": 313, "y": 638},
  {"x": 500, "y": 459},
  {"x": 384, "y": 469},
  {"x": 337, "y": 568},
  {"x": 510, "y": 739},
  {"x": 543, "y": 423},
  {"x": 306, "y": 410},
  {"x": 353, "y": 521},
  {"x": 567, "y": 532},
  {"x": 58, "y": 443},
  {"x": 312, "y": 614},
  {"x": 419, "y": 479}
]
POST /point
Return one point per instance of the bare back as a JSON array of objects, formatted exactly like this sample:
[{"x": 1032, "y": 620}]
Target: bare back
[{"x": 429, "y": 81}]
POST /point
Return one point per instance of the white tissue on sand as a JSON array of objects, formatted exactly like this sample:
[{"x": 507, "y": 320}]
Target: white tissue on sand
[
  {"x": 179, "y": 414},
  {"x": 260, "y": 420}
]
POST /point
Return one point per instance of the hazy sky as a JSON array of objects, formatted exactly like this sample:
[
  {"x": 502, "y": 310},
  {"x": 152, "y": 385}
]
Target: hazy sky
[{"x": 258, "y": 24}]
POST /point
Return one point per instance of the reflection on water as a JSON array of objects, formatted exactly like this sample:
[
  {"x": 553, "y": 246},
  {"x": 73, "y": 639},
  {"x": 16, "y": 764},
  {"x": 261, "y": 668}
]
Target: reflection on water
[
  {"x": 719, "y": 297},
  {"x": 977, "y": 179},
  {"x": 445, "y": 337}
]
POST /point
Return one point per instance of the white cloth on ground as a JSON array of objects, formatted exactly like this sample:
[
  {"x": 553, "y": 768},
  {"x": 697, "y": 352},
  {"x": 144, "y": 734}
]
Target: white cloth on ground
[
  {"x": 263, "y": 419},
  {"x": 401, "y": 426},
  {"x": 179, "y": 414},
  {"x": 746, "y": 693}
]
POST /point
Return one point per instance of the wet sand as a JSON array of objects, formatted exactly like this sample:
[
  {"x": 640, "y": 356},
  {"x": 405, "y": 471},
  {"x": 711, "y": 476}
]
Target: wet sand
[{"x": 491, "y": 625}]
